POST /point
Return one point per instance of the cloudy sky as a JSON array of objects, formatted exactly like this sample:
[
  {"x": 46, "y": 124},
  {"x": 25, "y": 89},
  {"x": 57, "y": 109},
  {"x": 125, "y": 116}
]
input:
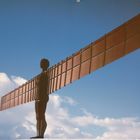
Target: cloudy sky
[{"x": 100, "y": 106}]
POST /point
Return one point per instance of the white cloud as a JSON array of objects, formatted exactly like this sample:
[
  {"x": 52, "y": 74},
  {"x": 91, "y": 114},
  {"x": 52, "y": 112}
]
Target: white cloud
[
  {"x": 69, "y": 101},
  {"x": 77, "y": 1},
  {"x": 8, "y": 83},
  {"x": 117, "y": 129},
  {"x": 20, "y": 122},
  {"x": 18, "y": 80}
]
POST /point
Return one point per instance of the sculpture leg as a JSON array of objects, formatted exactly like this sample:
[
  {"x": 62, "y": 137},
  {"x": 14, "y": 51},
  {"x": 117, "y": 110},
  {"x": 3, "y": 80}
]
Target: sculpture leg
[
  {"x": 40, "y": 108},
  {"x": 43, "y": 123},
  {"x": 38, "y": 111},
  {"x": 43, "y": 126}
]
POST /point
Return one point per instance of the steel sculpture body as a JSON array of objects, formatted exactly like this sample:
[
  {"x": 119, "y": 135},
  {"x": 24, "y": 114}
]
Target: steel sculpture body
[{"x": 110, "y": 47}]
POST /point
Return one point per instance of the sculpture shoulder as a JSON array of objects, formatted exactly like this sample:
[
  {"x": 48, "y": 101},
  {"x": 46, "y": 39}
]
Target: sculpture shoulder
[
  {"x": 43, "y": 75},
  {"x": 42, "y": 79}
]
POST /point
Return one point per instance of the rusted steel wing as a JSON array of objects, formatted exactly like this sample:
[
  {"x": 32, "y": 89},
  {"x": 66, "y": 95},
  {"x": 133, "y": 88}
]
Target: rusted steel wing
[{"x": 110, "y": 47}]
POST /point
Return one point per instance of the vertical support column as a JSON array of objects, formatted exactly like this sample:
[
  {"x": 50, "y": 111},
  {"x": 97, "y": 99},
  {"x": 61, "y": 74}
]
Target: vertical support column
[{"x": 60, "y": 73}]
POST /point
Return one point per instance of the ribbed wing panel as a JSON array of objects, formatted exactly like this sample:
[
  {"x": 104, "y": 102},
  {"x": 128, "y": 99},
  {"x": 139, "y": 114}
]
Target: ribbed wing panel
[{"x": 110, "y": 47}]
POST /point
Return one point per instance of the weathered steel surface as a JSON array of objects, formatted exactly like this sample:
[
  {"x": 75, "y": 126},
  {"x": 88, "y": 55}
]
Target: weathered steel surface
[{"x": 110, "y": 47}]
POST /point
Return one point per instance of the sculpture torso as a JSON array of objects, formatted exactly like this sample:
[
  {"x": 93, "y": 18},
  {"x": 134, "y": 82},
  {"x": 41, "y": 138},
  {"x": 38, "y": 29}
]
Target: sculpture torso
[{"x": 43, "y": 87}]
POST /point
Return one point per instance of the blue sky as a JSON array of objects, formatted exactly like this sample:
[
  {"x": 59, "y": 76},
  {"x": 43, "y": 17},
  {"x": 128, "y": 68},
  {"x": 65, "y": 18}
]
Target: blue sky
[{"x": 33, "y": 29}]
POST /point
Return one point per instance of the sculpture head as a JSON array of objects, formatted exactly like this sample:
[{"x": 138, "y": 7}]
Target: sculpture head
[{"x": 44, "y": 64}]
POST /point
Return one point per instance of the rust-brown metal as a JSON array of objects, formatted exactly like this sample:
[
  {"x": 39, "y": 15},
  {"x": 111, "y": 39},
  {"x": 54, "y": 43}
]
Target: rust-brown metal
[{"x": 110, "y": 47}]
